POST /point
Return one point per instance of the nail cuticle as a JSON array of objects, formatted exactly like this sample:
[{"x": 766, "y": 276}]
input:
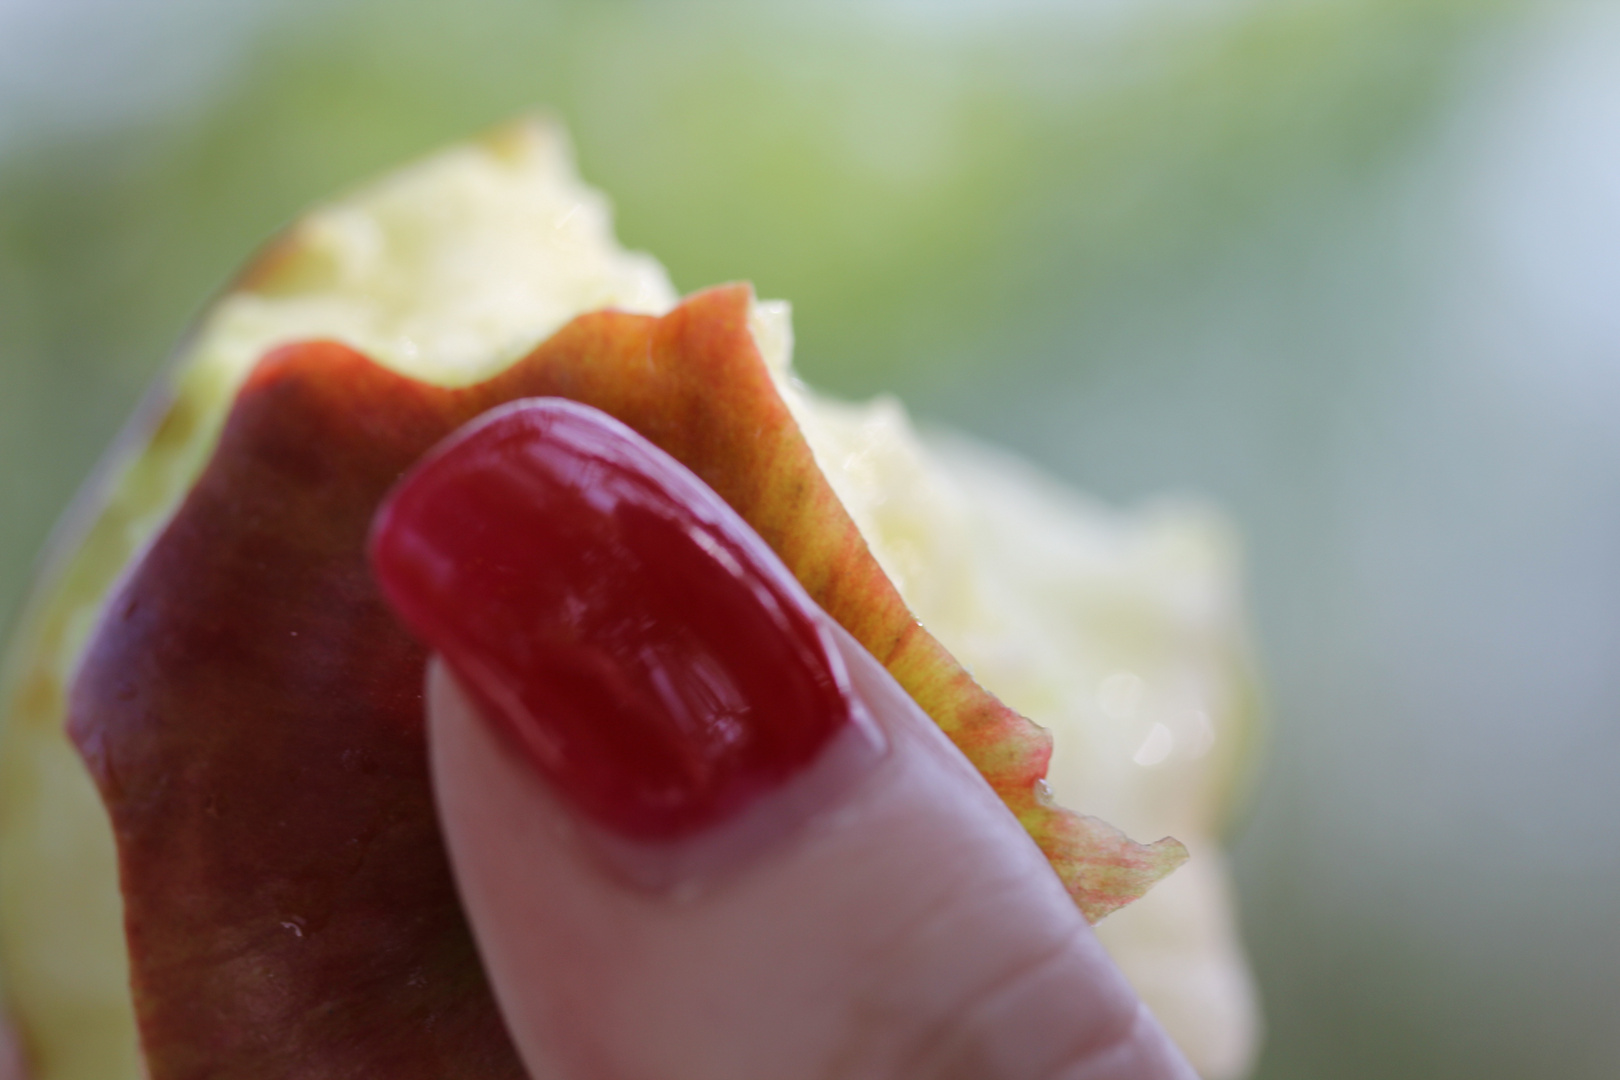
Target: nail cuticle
[
  {"x": 694, "y": 867},
  {"x": 628, "y": 636}
]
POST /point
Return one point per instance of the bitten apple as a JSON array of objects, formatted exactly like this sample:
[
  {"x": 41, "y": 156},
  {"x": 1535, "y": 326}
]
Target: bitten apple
[{"x": 250, "y": 711}]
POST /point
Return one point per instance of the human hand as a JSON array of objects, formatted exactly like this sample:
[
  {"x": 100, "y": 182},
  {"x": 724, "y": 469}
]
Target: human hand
[{"x": 698, "y": 830}]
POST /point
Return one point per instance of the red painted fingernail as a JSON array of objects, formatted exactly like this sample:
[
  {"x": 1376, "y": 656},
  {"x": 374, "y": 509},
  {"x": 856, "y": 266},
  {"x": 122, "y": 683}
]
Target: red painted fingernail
[{"x": 630, "y": 635}]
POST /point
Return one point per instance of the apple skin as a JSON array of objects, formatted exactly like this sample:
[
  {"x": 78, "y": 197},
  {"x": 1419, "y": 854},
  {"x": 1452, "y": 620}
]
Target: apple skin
[
  {"x": 251, "y": 711},
  {"x": 252, "y": 715}
]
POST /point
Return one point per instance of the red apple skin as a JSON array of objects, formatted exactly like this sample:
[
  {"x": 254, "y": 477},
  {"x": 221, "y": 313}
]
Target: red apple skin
[{"x": 252, "y": 712}]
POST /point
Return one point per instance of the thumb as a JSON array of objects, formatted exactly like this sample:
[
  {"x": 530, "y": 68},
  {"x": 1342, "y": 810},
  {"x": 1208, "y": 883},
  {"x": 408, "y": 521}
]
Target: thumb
[
  {"x": 907, "y": 929},
  {"x": 700, "y": 833}
]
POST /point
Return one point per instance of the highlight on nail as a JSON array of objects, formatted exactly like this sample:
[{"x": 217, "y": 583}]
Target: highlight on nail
[{"x": 629, "y": 636}]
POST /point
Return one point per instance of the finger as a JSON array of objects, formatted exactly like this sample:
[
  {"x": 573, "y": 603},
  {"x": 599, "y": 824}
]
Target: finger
[
  {"x": 908, "y": 930},
  {"x": 700, "y": 833}
]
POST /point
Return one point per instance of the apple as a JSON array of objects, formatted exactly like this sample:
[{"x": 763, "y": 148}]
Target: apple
[{"x": 250, "y": 711}]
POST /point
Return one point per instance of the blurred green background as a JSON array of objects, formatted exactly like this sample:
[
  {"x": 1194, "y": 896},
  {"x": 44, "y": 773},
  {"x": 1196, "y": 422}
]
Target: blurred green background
[{"x": 1348, "y": 267}]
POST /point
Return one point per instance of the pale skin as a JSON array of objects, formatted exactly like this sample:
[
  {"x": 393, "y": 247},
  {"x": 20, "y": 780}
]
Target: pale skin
[{"x": 909, "y": 930}]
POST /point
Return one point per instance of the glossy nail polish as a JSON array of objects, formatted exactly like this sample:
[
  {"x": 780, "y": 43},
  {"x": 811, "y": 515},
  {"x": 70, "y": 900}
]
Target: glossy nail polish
[{"x": 629, "y": 635}]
